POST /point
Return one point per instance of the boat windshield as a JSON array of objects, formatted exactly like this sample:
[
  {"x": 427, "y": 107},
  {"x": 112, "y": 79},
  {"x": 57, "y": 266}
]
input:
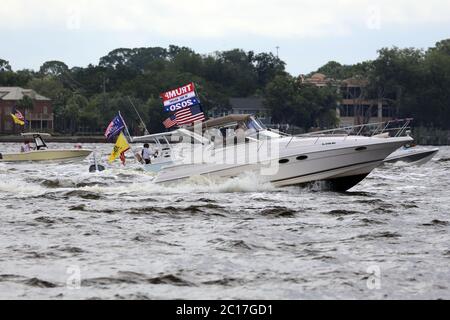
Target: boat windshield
[
  {"x": 39, "y": 142},
  {"x": 254, "y": 124},
  {"x": 236, "y": 132},
  {"x": 257, "y": 130},
  {"x": 225, "y": 133}
]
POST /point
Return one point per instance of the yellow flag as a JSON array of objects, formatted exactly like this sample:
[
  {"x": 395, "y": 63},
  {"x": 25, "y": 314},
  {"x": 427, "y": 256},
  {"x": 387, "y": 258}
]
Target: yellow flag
[
  {"x": 17, "y": 120},
  {"x": 120, "y": 148}
]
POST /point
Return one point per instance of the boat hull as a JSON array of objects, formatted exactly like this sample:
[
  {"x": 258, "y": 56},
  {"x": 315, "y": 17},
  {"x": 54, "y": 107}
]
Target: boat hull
[
  {"x": 412, "y": 156},
  {"x": 46, "y": 155},
  {"x": 343, "y": 167},
  {"x": 156, "y": 167}
]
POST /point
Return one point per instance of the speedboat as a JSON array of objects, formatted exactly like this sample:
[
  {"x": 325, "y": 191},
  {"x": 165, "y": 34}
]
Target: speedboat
[
  {"x": 413, "y": 155},
  {"x": 40, "y": 151},
  {"x": 408, "y": 153},
  {"x": 216, "y": 149}
]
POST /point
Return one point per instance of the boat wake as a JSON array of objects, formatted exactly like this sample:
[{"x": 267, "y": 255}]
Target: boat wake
[
  {"x": 128, "y": 183},
  {"x": 144, "y": 185}
]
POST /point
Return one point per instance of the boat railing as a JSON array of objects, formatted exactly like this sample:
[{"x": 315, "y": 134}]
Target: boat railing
[
  {"x": 399, "y": 127},
  {"x": 392, "y": 128}
]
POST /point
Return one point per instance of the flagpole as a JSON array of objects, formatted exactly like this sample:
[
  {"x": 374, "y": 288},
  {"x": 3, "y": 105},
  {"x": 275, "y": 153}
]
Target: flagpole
[
  {"x": 198, "y": 97},
  {"x": 196, "y": 93},
  {"x": 140, "y": 118},
  {"x": 129, "y": 137},
  {"x": 126, "y": 128}
]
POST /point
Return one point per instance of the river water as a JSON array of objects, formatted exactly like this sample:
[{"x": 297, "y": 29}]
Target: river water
[{"x": 69, "y": 234}]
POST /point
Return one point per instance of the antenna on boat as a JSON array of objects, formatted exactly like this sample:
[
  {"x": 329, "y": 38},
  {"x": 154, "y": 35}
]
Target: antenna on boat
[
  {"x": 96, "y": 167},
  {"x": 129, "y": 137},
  {"x": 140, "y": 118}
]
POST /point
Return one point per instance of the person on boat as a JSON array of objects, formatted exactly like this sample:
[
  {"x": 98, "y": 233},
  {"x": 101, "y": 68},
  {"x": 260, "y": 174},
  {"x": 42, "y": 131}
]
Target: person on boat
[
  {"x": 240, "y": 132},
  {"x": 25, "y": 147},
  {"x": 146, "y": 154}
]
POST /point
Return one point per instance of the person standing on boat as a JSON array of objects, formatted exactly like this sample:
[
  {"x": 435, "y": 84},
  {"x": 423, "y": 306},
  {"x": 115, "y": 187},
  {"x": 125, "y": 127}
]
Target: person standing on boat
[
  {"x": 25, "y": 147},
  {"x": 146, "y": 155},
  {"x": 240, "y": 132}
]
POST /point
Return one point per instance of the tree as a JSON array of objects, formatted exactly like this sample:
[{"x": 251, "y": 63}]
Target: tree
[
  {"x": 442, "y": 47},
  {"x": 54, "y": 89},
  {"x": 15, "y": 79},
  {"x": 117, "y": 57},
  {"x": 185, "y": 60},
  {"x": 267, "y": 68},
  {"x": 337, "y": 71},
  {"x": 4, "y": 66},
  {"x": 73, "y": 110},
  {"x": 302, "y": 105},
  {"x": 236, "y": 72},
  {"x": 279, "y": 95},
  {"x": 431, "y": 105},
  {"x": 54, "y": 68},
  {"x": 334, "y": 70},
  {"x": 26, "y": 105},
  {"x": 395, "y": 72},
  {"x": 149, "y": 59}
]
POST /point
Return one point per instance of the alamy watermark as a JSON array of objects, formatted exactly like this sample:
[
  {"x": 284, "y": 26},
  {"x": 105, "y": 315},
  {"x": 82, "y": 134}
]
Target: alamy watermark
[
  {"x": 374, "y": 279},
  {"x": 73, "y": 281},
  {"x": 252, "y": 148},
  {"x": 373, "y": 21},
  {"x": 73, "y": 21}
]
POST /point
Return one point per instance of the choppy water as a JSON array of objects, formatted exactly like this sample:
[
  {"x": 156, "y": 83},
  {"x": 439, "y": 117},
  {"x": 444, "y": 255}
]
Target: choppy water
[{"x": 128, "y": 238}]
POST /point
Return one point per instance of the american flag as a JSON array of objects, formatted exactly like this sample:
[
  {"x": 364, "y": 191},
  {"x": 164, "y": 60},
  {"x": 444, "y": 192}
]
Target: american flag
[
  {"x": 170, "y": 122},
  {"x": 19, "y": 115},
  {"x": 190, "y": 115},
  {"x": 115, "y": 127}
]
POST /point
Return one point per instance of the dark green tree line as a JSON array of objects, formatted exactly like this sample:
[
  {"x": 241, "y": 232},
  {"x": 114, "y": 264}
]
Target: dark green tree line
[{"x": 415, "y": 82}]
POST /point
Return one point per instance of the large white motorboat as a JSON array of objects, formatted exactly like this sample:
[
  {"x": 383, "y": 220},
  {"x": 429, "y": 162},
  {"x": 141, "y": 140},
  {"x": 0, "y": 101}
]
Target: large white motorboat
[
  {"x": 40, "y": 152},
  {"x": 230, "y": 146}
]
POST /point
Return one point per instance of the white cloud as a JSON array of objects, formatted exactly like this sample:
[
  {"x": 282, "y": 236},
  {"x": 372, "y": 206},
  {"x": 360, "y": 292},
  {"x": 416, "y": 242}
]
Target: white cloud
[{"x": 211, "y": 18}]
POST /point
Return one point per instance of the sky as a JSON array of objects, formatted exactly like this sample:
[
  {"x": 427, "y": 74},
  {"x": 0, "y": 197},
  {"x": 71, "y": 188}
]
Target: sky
[{"x": 309, "y": 33}]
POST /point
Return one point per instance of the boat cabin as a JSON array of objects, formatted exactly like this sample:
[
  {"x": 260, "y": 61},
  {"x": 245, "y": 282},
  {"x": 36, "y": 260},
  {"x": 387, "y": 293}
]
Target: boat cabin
[
  {"x": 38, "y": 140},
  {"x": 234, "y": 129}
]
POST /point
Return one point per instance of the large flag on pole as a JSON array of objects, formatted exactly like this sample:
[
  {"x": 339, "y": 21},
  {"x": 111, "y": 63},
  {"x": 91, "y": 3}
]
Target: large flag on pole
[
  {"x": 190, "y": 115},
  {"x": 120, "y": 148},
  {"x": 186, "y": 105},
  {"x": 170, "y": 122},
  {"x": 180, "y": 98},
  {"x": 18, "y": 118},
  {"x": 115, "y": 127}
]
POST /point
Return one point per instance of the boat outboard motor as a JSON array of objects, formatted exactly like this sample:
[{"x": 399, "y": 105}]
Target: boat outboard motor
[{"x": 96, "y": 167}]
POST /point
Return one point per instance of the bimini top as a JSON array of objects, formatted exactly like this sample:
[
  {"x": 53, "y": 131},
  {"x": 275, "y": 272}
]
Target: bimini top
[
  {"x": 218, "y": 122},
  {"x": 190, "y": 131}
]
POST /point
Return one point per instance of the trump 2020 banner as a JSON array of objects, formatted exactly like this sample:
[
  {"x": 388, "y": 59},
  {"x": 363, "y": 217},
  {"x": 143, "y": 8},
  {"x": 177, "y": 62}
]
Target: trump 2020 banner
[{"x": 180, "y": 98}]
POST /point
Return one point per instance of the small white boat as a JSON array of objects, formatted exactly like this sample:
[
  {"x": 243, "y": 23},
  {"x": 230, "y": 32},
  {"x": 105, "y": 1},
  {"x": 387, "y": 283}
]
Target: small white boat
[
  {"x": 40, "y": 152},
  {"x": 413, "y": 155}
]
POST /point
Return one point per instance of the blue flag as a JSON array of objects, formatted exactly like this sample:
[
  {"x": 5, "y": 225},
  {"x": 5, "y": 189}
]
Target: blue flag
[
  {"x": 182, "y": 104},
  {"x": 115, "y": 128}
]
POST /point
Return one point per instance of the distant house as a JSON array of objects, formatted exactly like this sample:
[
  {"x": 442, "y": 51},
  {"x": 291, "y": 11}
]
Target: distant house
[
  {"x": 355, "y": 107},
  {"x": 319, "y": 80},
  {"x": 252, "y": 105},
  {"x": 39, "y": 117}
]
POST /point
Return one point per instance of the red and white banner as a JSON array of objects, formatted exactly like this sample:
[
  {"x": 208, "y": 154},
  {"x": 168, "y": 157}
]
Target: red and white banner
[{"x": 176, "y": 95}]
